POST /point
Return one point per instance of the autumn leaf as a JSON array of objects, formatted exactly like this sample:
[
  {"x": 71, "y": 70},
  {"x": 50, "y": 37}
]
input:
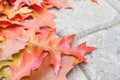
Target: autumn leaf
[
  {"x": 96, "y": 1},
  {"x": 46, "y": 17},
  {"x": 10, "y": 12},
  {"x": 18, "y": 2},
  {"x": 29, "y": 45},
  {"x": 12, "y": 32},
  {"x": 29, "y": 61},
  {"x": 1, "y": 8},
  {"x": 6, "y": 71},
  {"x": 13, "y": 41},
  {"x": 4, "y": 22},
  {"x": 58, "y": 3},
  {"x": 46, "y": 72},
  {"x": 23, "y": 63},
  {"x": 27, "y": 2},
  {"x": 37, "y": 2},
  {"x": 11, "y": 47},
  {"x": 59, "y": 46},
  {"x": 46, "y": 40}
]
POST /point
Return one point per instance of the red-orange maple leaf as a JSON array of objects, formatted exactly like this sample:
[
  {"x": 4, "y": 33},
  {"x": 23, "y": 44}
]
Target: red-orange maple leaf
[
  {"x": 47, "y": 18},
  {"x": 28, "y": 62},
  {"x": 11, "y": 13},
  {"x": 4, "y": 22},
  {"x": 44, "y": 18},
  {"x": 59, "y": 46},
  {"x": 58, "y": 3},
  {"x": 18, "y": 2},
  {"x": 44, "y": 39},
  {"x": 37, "y": 2},
  {"x": 14, "y": 41},
  {"x": 96, "y": 1},
  {"x": 28, "y": 33},
  {"x": 11, "y": 47},
  {"x": 12, "y": 32},
  {"x": 46, "y": 72}
]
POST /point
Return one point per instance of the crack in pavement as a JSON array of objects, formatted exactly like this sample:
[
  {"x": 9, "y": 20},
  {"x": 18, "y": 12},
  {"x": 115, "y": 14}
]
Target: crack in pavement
[
  {"x": 84, "y": 72},
  {"x": 96, "y": 30},
  {"x": 113, "y": 6},
  {"x": 90, "y": 32}
]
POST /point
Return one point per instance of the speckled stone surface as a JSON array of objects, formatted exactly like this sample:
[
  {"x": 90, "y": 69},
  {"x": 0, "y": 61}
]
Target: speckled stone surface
[{"x": 99, "y": 25}]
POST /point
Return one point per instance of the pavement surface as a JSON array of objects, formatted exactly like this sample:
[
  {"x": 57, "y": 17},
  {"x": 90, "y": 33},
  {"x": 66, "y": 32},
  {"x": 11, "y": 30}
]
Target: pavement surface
[{"x": 99, "y": 25}]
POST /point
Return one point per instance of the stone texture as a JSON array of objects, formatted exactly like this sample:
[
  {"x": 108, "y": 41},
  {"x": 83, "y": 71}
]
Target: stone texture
[
  {"x": 85, "y": 16},
  {"x": 94, "y": 23},
  {"x": 115, "y": 4},
  {"x": 104, "y": 62},
  {"x": 76, "y": 74}
]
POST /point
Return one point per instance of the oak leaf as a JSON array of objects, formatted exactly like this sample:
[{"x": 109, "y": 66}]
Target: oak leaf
[
  {"x": 28, "y": 62},
  {"x": 43, "y": 18},
  {"x": 1, "y": 7},
  {"x": 28, "y": 35},
  {"x": 37, "y": 2},
  {"x": 96, "y": 1},
  {"x": 59, "y": 46},
  {"x": 58, "y": 3},
  {"x": 46, "y": 72},
  {"x": 10, "y": 12},
  {"x": 11, "y": 47},
  {"x": 17, "y": 3},
  {"x": 5, "y": 22}
]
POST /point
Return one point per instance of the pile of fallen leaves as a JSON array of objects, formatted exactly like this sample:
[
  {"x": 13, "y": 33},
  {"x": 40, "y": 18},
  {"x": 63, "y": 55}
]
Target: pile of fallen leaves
[{"x": 29, "y": 46}]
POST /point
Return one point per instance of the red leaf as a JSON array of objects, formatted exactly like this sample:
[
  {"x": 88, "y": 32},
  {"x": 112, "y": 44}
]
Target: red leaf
[
  {"x": 28, "y": 29},
  {"x": 46, "y": 72},
  {"x": 18, "y": 2},
  {"x": 60, "y": 46},
  {"x": 11, "y": 13},
  {"x": 14, "y": 41},
  {"x": 4, "y": 22},
  {"x": 29, "y": 61},
  {"x": 37, "y": 2},
  {"x": 46, "y": 17},
  {"x": 12, "y": 32},
  {"x": 96, "y": 1},
  {"x": 58, "y": 3},
  {"x": 80, "y": 51},
  {"x": 1, "y": 7},
  {"x": 12, "y": 47}
]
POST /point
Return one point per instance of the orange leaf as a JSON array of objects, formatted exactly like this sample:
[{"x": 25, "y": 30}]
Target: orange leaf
[
  {"x": 18, "y": 2},
  {"x": 11, "y": 47},
  {"x": 95, "y": 1},
  {"x": 37, "y": 2},
  {"x": 46, "y": 72},
  {"x": 4, "y": 22},
  {"x": 59, "y": 46},
  {"x": 28, "y": 29},
  {"x": 58, "y": 3},
  {"x": 10, "y": 12},
  {"x": 1, "y": 7},
  {"x": 29, "y": 61},
  {"x": 12, "y": 32},
  {"x": 46, "y": 17}
]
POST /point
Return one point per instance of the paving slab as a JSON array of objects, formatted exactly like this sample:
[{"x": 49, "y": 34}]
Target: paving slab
[
  {"x": 115, "y": 4},
  {"x": 85, "y": 16},
  {"x": 76, "y": 74},
  {"x": 104, "y": 62}
]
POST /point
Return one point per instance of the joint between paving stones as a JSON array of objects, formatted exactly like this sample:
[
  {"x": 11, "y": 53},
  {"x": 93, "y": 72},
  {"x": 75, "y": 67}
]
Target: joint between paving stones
[
  {"x": 113, "y": 6},
  {"x": 84, "y": 72},
  {"x": 87, "y": 33}
]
